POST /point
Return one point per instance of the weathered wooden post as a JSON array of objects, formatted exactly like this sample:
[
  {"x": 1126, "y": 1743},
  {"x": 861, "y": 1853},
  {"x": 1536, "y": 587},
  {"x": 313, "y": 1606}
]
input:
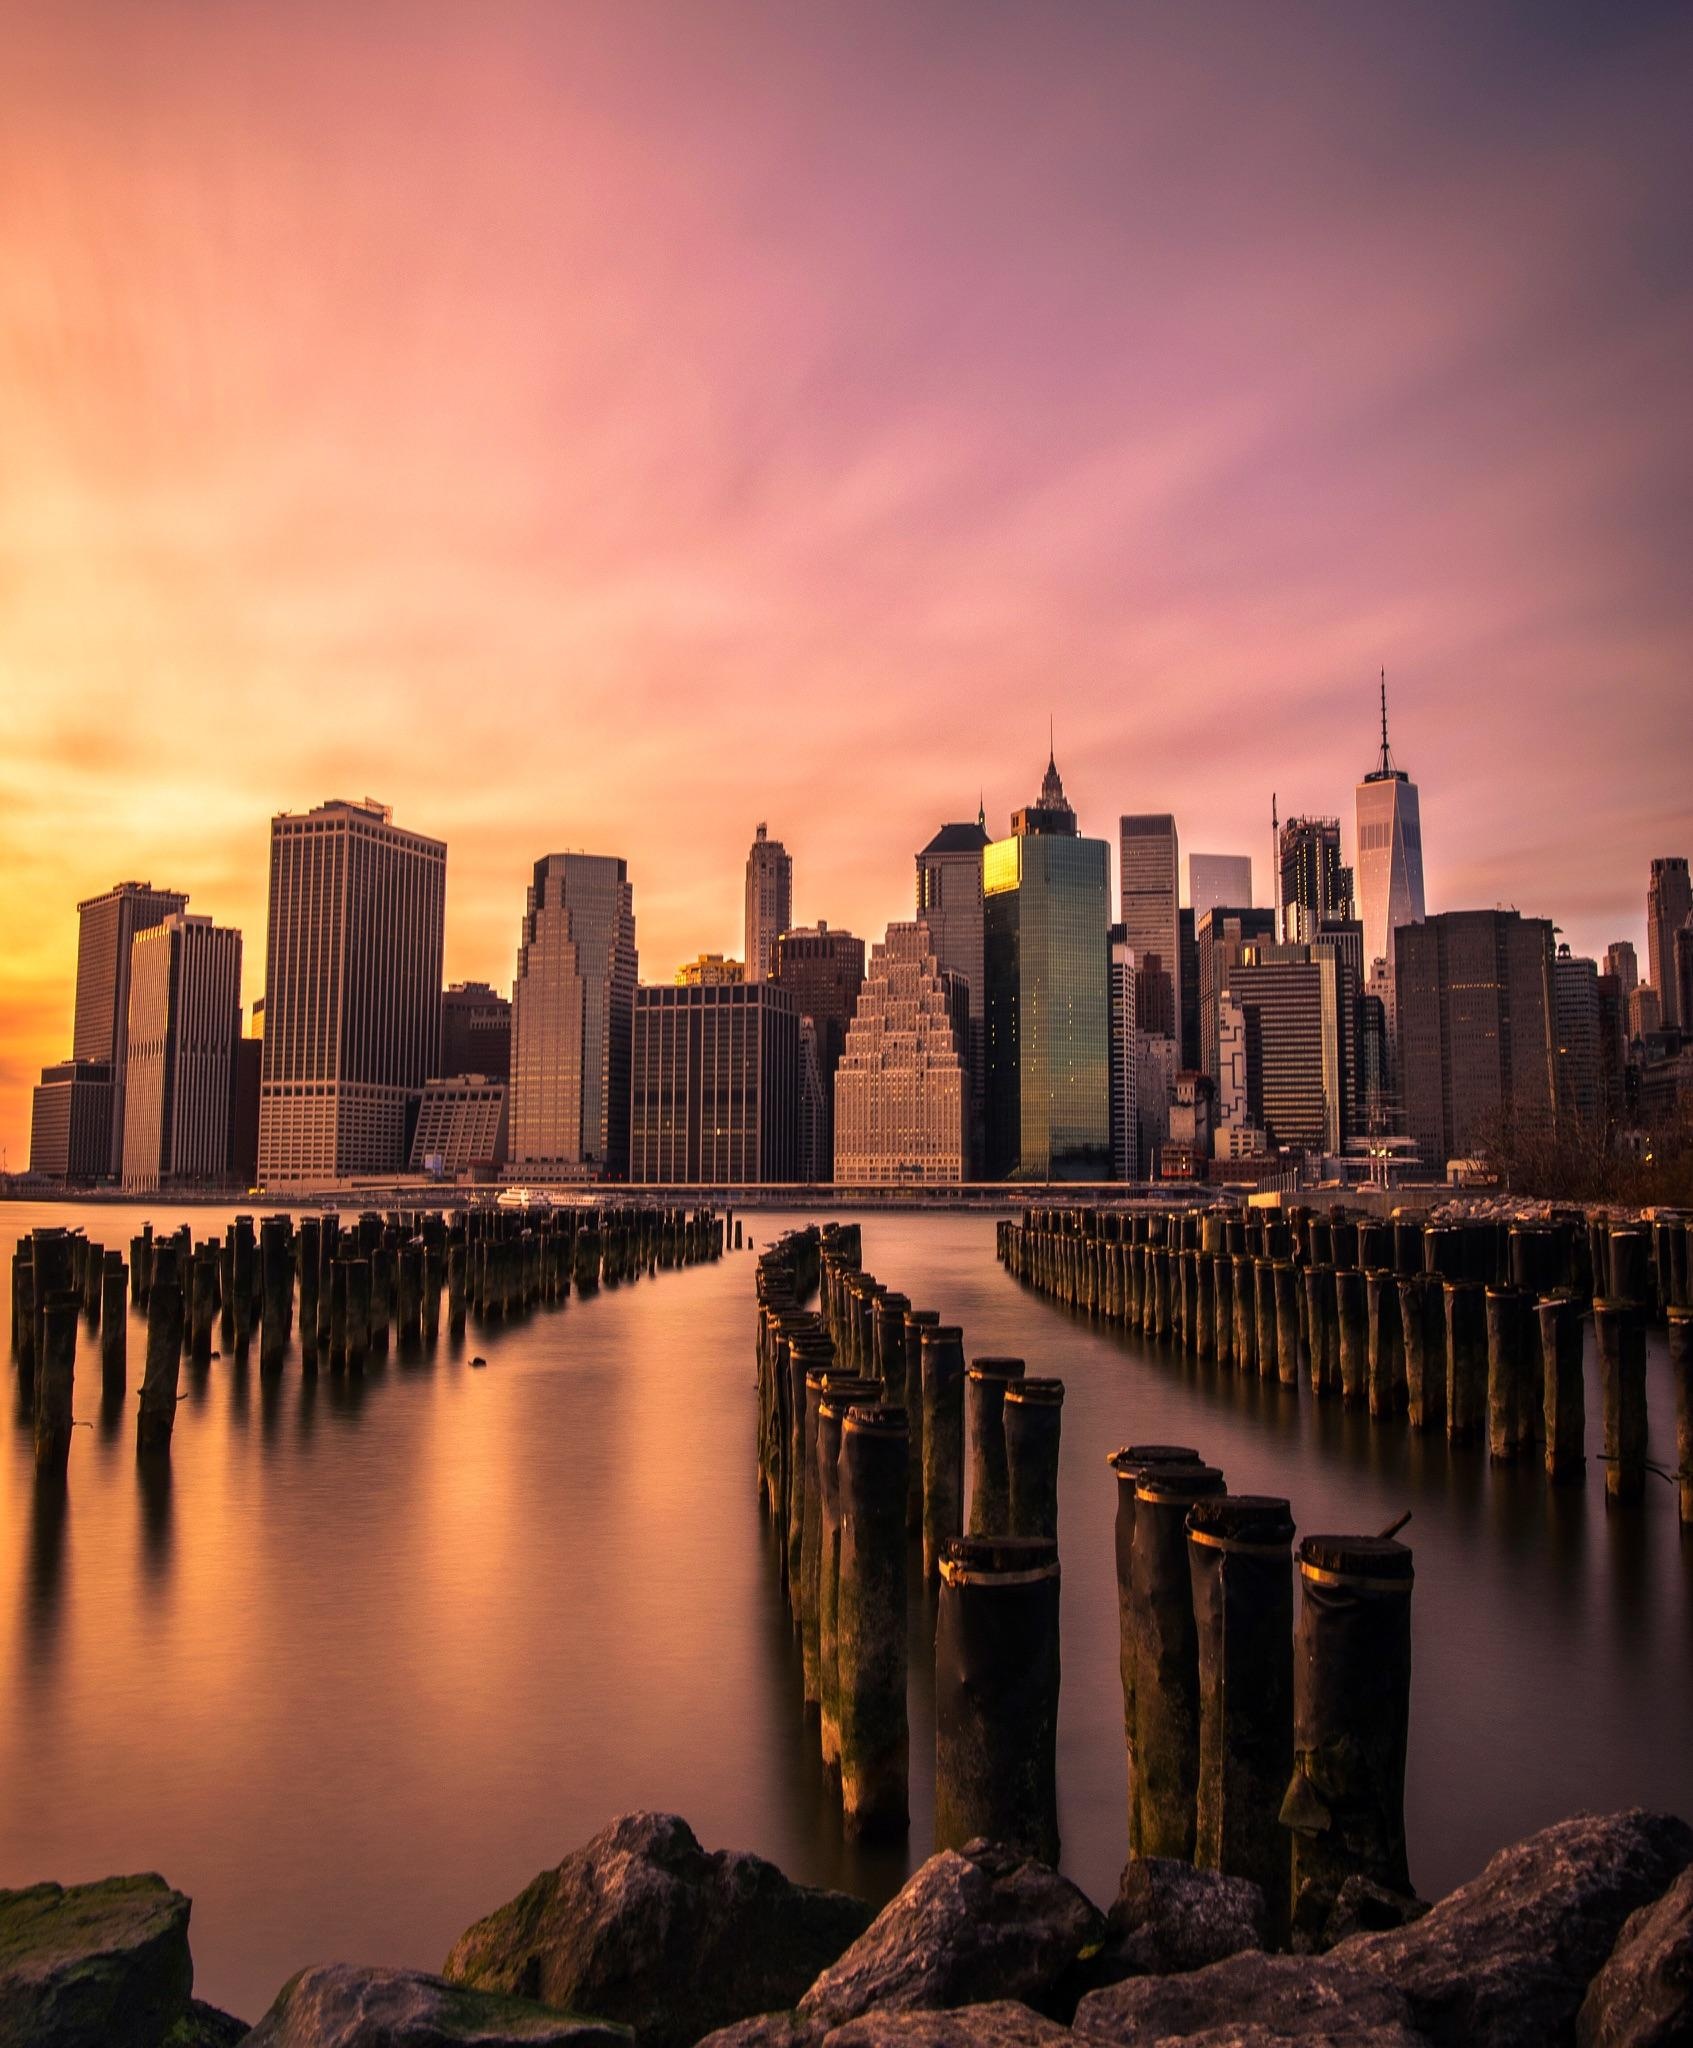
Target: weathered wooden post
[
  {"x": 1345, "y": 1803},
  {"x": 1679, "y": 1318},
  {"x": 24, "y": 1313},
  {"x": 455, "y": 1286},
  {"x": 55, "y": 1376},
  {"x": 984, "y": 1433},
  {"x": 1352, "y": 1320},
  {"x": 1034, "y": 1414},
  {"x": 1239, "y": 1555},
  {"x": 1284, "y": 1280},
  {"x": 356, "y": 1286},
  {"x": 1322, "y": 1334},
  {"x": 205, "y": 1299},
  {"x": 996, "y": 1694},
  {"x": 1422, "y": 1329},
  {"x": 1619, "y": 1329},
  {"x": 1222, "y": 1307},
  {"x": 1564, "y": 1397},
  {"x": 871, "y": 1627},
  {"x": 832, "y": 1407},
  {"x": 157, "y": 1416},
  {"x": 1466, "y": 1358},
  {"x": 1166, "y": 1658},
  {"x": 276, "y": 1282},
  {"x": 1264, "y": 1305},
  {"x": 943, "y": 1440},
  {"x": 1507, "y": 1313},
  {"x": 1384, "y": 1344},
  {"x": 1245, "y": 1313},
  {"x": 1128, "y": 1464},
  {"x": 114, "y": 1325}
]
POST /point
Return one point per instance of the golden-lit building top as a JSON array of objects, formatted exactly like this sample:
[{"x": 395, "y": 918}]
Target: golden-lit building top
[{"x": 710, "y": 970}]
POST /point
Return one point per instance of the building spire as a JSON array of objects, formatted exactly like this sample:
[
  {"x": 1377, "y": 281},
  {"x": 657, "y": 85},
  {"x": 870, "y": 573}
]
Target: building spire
[
  {"x": 981, "y": 810},
  {"x": 1386, "y": 757}
]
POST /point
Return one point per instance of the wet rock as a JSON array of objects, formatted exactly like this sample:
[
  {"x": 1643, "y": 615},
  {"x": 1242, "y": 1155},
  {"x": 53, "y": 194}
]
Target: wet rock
[
  {"x": 350, "y": 2005},
  {"x": 1169, "y": 1916},
  {"x": 1504, "y": 1961},
  {"x": 1643, "y": 1997},
  {"x": 206, "y": 2026},
  {"x": 1249, "y": 1999},
  {"x": 972, "y": 1925},
  {"x": 999, "y": 2023},
  {"x": 644, "y": 1926},
  {"x": 101, "y": 1965},
  {"x": 1362, "y": 1906},
  {"x": 769, "y": 2030}
]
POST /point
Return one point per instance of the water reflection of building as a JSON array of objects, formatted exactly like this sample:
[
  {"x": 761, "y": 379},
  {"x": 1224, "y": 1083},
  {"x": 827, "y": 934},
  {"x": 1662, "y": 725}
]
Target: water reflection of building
[
  {"x": 1046, "y": 898},
  {"x": 902, "y": 1088}
]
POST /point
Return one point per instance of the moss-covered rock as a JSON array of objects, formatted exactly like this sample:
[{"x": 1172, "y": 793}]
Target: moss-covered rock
[
  {"x": 349, "y": 2005},
  {"x": 101, "y": 1965}
]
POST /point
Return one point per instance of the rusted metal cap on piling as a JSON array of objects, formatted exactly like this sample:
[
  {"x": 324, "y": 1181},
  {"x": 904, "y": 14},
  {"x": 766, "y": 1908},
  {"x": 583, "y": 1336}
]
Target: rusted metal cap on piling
[
  {"x": 878, "y": 1418},
  {"x": 1365, "y": 1564},
  {"x": 1037, "y": 1393},
  {"x": 998, "y": 1560},
  {"x": 1241, "y": 1521},
  {"x": 1132, "y": 1459},
  {"x": 1176, "y": 1485}
]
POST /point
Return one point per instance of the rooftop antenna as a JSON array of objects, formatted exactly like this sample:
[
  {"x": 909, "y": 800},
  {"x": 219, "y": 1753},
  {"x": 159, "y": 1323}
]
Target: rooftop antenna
[
  {"x": 1386, "y": 757},
  {"x": 1276, "y": 860},
  {"x": 981, "y": 811}
]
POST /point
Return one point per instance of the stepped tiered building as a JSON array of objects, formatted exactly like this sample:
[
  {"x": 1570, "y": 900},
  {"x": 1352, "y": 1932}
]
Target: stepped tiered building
[{"x": 902, "y": 1088}]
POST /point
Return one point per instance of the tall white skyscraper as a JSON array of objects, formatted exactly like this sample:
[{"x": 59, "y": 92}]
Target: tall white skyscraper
[
  {"x": 1148, "y": 872},
  {"x": 1218, "y": 881},
  {"x": 770, "y": 903},
  {"x": 1389, "y": 853}
]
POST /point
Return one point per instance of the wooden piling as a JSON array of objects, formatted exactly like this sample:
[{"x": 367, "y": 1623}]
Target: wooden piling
[{"x": 1166, "y": 1659}]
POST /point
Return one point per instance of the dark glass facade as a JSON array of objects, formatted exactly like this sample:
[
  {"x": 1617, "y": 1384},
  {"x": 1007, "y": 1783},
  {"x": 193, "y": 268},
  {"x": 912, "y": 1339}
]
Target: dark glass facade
[{"x": 1046, "y": 913}]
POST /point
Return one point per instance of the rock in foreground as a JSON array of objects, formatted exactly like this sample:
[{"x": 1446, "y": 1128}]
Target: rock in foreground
[
  {"x": 1643, "y": 1997},
  {"x": 1000, "y": 2023},
  {"x": 642, "y": 1925},
  {"x": 1504, "y": 1961},
  {"x": 984, "y": 1923},
  {"x": 93, "y": 1965},
  {"x": 345, "y": 2005},
  {"x": 1249, "y": 1998},
  {"x": 1169, "y": 1916}
]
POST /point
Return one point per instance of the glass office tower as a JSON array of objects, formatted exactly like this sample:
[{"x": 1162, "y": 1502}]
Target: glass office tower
[{"x": 1046, "y": 915}]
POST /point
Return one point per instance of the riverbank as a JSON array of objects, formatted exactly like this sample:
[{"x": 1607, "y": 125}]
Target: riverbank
[{"x": 644, "y": 1939}]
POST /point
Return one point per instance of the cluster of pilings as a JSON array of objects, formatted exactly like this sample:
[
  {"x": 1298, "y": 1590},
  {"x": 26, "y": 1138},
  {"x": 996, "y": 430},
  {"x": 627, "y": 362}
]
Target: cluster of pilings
[
  {"x": 1471, "y": 1327},
  {"x": 352, "y": 1284},
  {"x": 877, "y": 1444}
]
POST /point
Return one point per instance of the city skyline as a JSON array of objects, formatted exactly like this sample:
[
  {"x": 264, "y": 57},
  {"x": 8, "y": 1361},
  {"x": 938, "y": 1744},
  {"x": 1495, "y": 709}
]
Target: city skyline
[{"x": 1017, "y": 449}]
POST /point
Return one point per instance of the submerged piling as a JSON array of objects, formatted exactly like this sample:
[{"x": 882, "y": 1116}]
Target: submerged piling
[
  {"x": 943, "y": 1440},
  {"x": 157, "y": 1417},
  {"x": 55, "y": 1374},
  {"x": 871, "y": 1628},
  {"x": 1239, "y": 1556},
  {"x": 1128, "y": 1464},
  {"x": 985, "y": 1386},
  {"x": 1680, "y": 1330},
  {"x": 1166, "y": 1749},
  {"x": 1619, "y": 1329},
  {"x": 1345, "y": 1803},
  {"x": 996, "y": 1694},
  {"x": 114, "y": 1324},
  {"x": 1034, "y": 1416},
  {"x": 1466, "y": 1358},
  {"x": 1563, "y": 1394}
]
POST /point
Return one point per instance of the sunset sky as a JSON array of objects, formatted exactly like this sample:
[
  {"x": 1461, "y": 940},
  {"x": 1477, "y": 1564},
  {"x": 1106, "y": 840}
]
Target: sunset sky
[{"x": 607, "y": 427}]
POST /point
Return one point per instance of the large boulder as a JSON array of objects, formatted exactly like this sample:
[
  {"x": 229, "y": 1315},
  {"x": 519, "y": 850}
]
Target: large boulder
[
  {"x": 972, "y": 1925},
  {"x": 101, "y": 1965},
  {"x": 1504, "y": 1961},
  {"x": 1643, "y": 1997},
  {"x": 998, "y": 2023},
  {"x": 769, "y": 2030},
  {"x": 1169, "y": 1916},
  {"x": 350, "y": 2005},
  {"x": 206, "y": 2026},
  {"x": 644, "y": 1926},
  {"x": 1249, "y": 1998}
]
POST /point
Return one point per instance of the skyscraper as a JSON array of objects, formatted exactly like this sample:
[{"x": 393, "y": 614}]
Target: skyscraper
[
  {"x": 1580, "y": 1053},
  {"x": 823, "y": 971},
  {"x": 1389, "y": 851},
  {"x": 1218, "y": 881},
  {"x": 573, "y": 1019},
  {"x": 1316, "y": 886},
  {"x": 184, "y": 1025},
  {"x": 1669, "y": 903},
  {"x": 1046, "y": 915},
  {"x": 475, "y": 1031},
  {"x": 108, "y": 924},
  {"x": 1223, "y": 930},
  {"x": 1290, "y": 1000},
  {"x": 770, "y": 903},
  {"x": 949, "y": 902},
  {"x": 715, "y": 1098},
  {"x": 1148, "y": 869},
  {"x": 1622, "y": 961},
  {"x": 902, "y": 1089},
  {"x": 352, "y": 991},
  {"x": 1476, "y": 1044},
  {"x": 1125, "y": 1061}
]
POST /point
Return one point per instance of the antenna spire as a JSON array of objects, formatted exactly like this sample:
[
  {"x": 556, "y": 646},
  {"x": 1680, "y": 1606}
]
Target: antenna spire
[{"x": 1386, "y": 757}]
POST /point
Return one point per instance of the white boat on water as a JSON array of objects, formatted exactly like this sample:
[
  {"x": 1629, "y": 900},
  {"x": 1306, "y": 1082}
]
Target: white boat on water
[{"x": 523, "y": 1198}]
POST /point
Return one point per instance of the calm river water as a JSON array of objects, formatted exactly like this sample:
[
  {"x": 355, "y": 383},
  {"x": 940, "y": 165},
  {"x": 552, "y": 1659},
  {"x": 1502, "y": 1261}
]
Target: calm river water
[{"x": 381, "y": 1650}]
